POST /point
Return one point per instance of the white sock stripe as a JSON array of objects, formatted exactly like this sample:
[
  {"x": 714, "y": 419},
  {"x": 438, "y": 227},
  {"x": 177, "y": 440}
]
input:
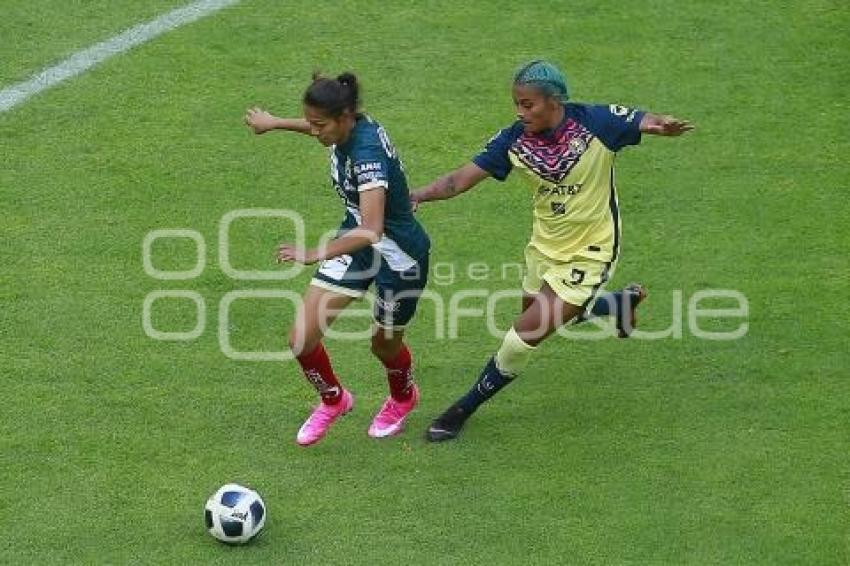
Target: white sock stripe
[{"x": 82, "y": 61}]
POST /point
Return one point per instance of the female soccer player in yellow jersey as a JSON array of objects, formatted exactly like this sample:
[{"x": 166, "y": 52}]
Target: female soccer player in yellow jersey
[{"x": 566, "y": 152}]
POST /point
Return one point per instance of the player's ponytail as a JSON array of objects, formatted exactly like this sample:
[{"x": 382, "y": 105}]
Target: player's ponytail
[
  {"x": 334, "y": 96},
  {"x": 352, "y": 94}
]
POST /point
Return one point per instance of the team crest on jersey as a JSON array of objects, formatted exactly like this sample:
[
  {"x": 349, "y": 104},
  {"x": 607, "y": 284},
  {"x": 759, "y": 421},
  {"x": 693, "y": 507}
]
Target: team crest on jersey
[
  {"x": 553, "y": 157},
  {"x": 577, "y": 145}
]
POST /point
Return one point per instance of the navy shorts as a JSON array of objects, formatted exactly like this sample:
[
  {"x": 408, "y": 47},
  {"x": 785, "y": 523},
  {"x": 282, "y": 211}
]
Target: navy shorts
[{"x": 396, "y": 292}]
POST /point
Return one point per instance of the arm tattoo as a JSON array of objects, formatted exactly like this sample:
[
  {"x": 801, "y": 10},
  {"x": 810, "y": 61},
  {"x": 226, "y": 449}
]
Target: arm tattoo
[{"x": 450, "y": 189}]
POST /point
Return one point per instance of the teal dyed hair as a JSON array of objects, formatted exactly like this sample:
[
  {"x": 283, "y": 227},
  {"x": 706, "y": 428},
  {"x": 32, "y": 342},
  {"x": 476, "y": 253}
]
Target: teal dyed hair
[{"x": 545, "y": 77}]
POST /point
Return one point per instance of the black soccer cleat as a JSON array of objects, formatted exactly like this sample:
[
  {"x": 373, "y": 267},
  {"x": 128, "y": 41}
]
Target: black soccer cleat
[
  {"x": 627, "y": 318},
  {"x": 447, "y": 426}
]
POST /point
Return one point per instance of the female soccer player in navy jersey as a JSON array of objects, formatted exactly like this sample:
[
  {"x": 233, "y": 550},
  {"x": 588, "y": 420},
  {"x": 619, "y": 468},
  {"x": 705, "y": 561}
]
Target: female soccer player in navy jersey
[
  {"x": 566, "y": 152},
  {"x": 379, "y": 241}
]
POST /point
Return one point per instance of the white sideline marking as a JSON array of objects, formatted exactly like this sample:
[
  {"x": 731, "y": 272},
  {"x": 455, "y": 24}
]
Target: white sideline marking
[{"x": 82, "y": 61}]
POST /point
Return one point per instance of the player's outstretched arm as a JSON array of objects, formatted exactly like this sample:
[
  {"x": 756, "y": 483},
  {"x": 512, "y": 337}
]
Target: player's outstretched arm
[
  {"x": 458, "y": 181},
  {"x": 369, "y": 232},
  {"x": 261, "y": 122},
  {"x": 663, "y": 125}
]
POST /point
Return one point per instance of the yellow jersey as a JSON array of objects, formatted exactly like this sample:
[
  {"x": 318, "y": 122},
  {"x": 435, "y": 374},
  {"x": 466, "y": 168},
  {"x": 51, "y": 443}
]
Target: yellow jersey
[{"x": 570, "y": 170}]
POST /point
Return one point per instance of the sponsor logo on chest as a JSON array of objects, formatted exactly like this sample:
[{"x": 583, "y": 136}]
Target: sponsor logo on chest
[{"x": 559, "y": 190}]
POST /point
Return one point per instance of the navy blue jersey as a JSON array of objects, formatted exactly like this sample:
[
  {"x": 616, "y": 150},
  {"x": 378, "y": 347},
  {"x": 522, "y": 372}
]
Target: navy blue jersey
[{"x": 369, "y": 161}]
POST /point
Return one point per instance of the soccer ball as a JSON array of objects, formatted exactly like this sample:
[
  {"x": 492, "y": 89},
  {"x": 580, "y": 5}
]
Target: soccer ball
[{"x": 235, "y": 514}]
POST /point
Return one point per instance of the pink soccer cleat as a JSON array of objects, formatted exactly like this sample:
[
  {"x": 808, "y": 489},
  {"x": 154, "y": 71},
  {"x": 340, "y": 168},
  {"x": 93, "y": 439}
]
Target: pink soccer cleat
[
  {"x": 390, "y": 419},
  {"x": 323, "y": 416}
]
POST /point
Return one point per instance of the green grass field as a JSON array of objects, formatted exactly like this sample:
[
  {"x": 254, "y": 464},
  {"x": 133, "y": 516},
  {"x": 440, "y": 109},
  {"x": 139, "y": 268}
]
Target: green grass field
[{"x": 674, "y": 451}]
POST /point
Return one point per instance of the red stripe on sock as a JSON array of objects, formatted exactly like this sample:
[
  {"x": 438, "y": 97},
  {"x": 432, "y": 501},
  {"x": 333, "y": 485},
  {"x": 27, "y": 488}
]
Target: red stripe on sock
[
  {"x": 318, "y": 371},
  {"x": 400, "y": 374}
]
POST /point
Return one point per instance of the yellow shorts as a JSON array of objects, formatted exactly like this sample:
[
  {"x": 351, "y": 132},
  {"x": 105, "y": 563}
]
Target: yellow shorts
[{"x": 577, "y": 281}]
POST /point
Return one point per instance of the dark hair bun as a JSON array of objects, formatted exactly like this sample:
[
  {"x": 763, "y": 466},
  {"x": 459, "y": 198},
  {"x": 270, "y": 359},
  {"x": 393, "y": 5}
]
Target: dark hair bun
[
  {"x": 348, "y": 80},
  {"x": 334, "y": 96}
]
